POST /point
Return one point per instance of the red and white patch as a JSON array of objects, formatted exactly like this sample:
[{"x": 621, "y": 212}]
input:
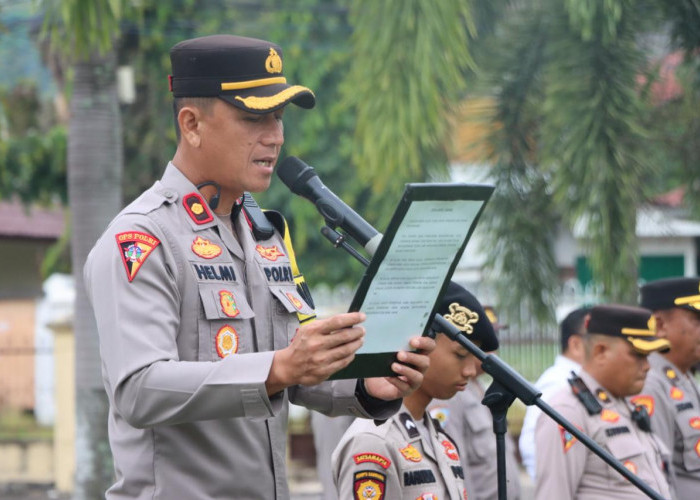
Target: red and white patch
[
  {"x": 374, "y": 458},
  {"x": 226, "y": 341},
  {"x": 228, "y": 304},
  {"x": 270, "y": 253},
  {"x": 450, "y": 450},
  {"x": 676, "y": 393},
  {"x": 645, "y": 400},
  {"x": 205, "y": 248},
  {"x": 134, "y": 248},
  {"x": 609, "y": 416},
  {"x": 694, "y": 422},
  {"x": 630, "y": 466},
  {"x": 368, "y": 485}
]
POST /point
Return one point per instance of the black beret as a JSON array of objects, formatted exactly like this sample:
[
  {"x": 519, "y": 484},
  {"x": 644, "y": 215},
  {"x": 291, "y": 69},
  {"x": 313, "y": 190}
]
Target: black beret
[
  {"x": 245, "y": 72},
  {"x": 673, "y": 292},
  {"x": 635, "y": 324},
  {"x": 463, "y": 310}
]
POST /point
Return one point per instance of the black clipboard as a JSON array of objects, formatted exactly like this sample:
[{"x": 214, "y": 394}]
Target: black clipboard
[{"x": 455, "y": 195}]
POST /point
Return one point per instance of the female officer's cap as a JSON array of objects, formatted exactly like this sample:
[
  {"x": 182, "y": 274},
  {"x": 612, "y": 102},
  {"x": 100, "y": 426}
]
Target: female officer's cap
[{"x": 245, "y": 72}]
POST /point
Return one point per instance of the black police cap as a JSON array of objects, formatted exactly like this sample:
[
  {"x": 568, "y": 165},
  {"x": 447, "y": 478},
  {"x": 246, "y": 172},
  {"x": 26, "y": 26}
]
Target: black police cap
[
  {"x": 463, "y": 310},
  {"x": 245, "y": 72},
  {"x": 634, "y": 324},
  {"x": 672, "y": 292}
]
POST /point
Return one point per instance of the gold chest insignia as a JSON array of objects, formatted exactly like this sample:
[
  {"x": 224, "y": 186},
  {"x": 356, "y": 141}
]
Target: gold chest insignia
[
  {"x": 205, "y": 248},
  {"x": 411, "y": 453},
  {"x": 462, "y": 317}
]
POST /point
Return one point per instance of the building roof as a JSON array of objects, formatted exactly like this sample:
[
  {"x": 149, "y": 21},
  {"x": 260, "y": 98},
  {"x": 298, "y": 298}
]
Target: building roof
[{"x": 19, "y": 221}]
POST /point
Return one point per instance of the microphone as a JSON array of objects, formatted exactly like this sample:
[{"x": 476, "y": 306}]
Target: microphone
[{"x": 303, "y": 180}]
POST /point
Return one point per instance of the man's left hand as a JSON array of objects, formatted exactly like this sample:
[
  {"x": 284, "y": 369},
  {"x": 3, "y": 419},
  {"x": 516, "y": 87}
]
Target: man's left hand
[{"x": 409, "y": 376}]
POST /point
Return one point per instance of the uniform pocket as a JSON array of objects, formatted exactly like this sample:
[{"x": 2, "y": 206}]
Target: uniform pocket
[
  {"x": 689, "y": 427},
  {"x": 226, "y": 326},
  {"x": 630, "y": 452}
]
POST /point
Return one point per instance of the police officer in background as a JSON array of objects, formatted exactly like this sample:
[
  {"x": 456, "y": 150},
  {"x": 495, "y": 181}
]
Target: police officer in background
[
  {"x": 670, "y": 389},
  {"x": 617, "y": 343},
  {"x": 205, "y": 336},
  {"x": 470, "y": 423},
  {"x": 410, "y": 456}
]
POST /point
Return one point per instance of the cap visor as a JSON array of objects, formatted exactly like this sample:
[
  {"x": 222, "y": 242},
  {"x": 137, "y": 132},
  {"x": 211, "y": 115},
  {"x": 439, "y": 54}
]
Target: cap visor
[
  {"x": 648, "y": 346},
  {"x": 270, "y": 98}
]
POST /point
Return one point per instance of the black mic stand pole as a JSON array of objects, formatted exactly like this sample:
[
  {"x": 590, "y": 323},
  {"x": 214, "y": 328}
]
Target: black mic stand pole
[{"x": 507, "y": 385}]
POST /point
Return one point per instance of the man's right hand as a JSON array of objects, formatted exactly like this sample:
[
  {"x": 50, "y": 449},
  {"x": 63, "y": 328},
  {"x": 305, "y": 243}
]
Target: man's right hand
[{"x": 318, "y": 350}]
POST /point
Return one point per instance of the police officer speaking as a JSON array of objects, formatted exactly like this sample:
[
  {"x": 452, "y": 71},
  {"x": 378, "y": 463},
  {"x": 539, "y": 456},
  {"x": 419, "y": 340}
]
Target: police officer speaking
[{"x": 206, "y": 328}]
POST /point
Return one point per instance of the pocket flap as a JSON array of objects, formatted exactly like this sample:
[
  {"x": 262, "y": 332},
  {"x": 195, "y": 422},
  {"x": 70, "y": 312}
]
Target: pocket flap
[
  {"x": 291, "y": 299},
  {"x": 224, "y": 301}
]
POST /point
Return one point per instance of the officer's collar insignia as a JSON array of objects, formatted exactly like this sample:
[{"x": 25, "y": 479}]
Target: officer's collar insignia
[
  {"x": 630, "y": 466},
  {"x": 567, "y": 439},
  {"x": 409, "y": 425},
  {"x": 602, "y": 395},
  {"x": 646, "y": 400},
  {"x": 450, "y": 449},
  {"x": 197, "y": 208},
  {"x": 298, "y": 305},
  {"x": 462, "y": 317},
  {"x": 375, "y": 458},
  {"x": 368, "y": 485},
  {"x": 134, "y": 249},
  {"x": 694, "y": 423},
  {"x": 270, "y": 253},
  {"x": 676, "y": 393},
  {"x": 205, "y": 248},
  {"x": 273, "y": 63},
  {"x": 411, "y": 453},
  {"x": 228, "y": 304},
  {"x": 609, "y": 416},
  {"x": 670, "y": 373},
  {"x": 226, "y": 341},
  {"x": 441, "y": 414}
]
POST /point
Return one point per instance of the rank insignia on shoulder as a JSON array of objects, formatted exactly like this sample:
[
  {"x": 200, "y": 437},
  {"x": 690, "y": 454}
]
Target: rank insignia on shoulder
[
  {"x": 609, "y": 416},
  {"x": 567, "y": 439},
  {"x": 368, "y": 485},
  {"x": 411, "y": 453},
  {"x": 602, "y": 395},
  {"x": 197, "y": 208},
  {"x": 374, "y": 458},
  {"x": 450, "y": 449},
  {"x": 270, "y": 253},
  {"x": 694, "y": 423},
  {"x": 646, "y": 400},
  {"x": 226, "y": 341},
  {"x": 134, "y": 248},
  {"x": 205, "y": 248},
  {"x": 228, "y": 304},
  {"x": 409, "y": 425},
  {"x": 670, "y": 373},
  {"x": 676, "y": 393}
]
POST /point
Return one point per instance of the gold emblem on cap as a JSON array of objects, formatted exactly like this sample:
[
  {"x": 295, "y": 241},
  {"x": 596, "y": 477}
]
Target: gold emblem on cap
[
  {"x": 273, "y": 63},
  {"x": 652, "y": 323},
  {"x": 462, "y": 318}
]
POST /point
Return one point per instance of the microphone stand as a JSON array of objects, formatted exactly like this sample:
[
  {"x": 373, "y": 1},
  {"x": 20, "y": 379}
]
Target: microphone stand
[{"x": 506, "y": 386}]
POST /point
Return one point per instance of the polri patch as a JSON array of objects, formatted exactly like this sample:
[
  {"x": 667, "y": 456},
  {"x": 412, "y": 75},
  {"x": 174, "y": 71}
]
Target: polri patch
[
  {"x": 226, "y": 341},
  {"x": 374, "y": 458},
  {"x": 228, "y": 304},
  {"x": 450, "y": 450},
  {"x": 368, "y": 485},
  {"x": 270, "y": 253},
  {"x": 134, "y": 248},
  {"x": 205, "y": 248},
  {"x": 646, "y": 400},
  {"x": 676, "y": 393},
  {"x": 197, "y": 208}
]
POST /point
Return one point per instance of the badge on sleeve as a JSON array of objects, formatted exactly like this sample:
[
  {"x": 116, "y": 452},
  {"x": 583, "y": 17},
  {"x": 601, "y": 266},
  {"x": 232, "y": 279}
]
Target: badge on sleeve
[
  {"x": 134, "y": 248},
  {"x": 567, "y": 439},
  {"x": 374, "y": 458},
  {"x": 368, "y": 485}
]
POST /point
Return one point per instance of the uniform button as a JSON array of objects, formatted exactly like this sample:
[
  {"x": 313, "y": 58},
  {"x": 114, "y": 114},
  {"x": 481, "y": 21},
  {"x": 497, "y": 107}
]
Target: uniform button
[{"x": 168, "y": 194}]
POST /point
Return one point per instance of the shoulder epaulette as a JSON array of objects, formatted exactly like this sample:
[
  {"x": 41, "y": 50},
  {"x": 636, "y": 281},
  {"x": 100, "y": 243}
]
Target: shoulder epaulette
[{"x": 583, "y": 393}]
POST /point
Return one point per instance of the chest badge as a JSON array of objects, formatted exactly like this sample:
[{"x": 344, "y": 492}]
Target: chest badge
[
  {"x": 205, "y": 248},
  {"x": 270, "y": 253},
  {"x": 609, "y": 416},
  {"x": 411, "y": 453},
  {"x": 645, "y": 400},
  {"x": 695, "y": 423},
  {"x": 630, "y": 466},
  {"x": 676, "y": 393},
  {"x": 294, "y": 300},
  {"x": 226, "y": 341},
  {"x": 134, "y": 248},
  {"x": 228, "y": 304},
  {"x": 197, "y": 208},
  {"x": 450, "y": 450}
]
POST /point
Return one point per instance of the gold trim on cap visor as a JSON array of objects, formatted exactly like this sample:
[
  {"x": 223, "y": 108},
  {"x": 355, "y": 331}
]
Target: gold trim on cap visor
[
  {"x": 255, "y": 102},
  {"x": 648, "y": 346},
  {"x": 250, "y": 84},
  {"x": 692, "y": 300}
]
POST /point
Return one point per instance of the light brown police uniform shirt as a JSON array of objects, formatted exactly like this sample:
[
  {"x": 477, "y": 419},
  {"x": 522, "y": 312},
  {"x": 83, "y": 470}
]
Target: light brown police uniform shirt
[
  {"x": 393, "y": 460},
  {"x": 470, "y": 423},
  {"x": 188, "y": 318},
  {"x": 675, "y": 418},
  {"x": 567, "y": 469}
]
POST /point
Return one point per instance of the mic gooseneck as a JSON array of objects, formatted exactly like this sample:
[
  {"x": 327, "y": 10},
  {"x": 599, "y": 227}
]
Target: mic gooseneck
[{"x": 302, "y": 180}]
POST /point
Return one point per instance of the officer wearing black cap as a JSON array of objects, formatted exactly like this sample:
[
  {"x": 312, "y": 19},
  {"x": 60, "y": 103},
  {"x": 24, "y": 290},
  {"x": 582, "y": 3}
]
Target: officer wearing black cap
[
  {"x": 670, "y": 387},
  {"x": 470, "y": 423},
  {"x": 206, "y": 327},
  {"x": 617, "y": 341},
  {"x": 410, "y": 456}
]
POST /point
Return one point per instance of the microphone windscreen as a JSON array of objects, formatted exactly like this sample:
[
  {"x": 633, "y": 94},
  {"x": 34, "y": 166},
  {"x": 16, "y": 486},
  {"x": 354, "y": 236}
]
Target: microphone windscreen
[{"x": 291, "y": 170}]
